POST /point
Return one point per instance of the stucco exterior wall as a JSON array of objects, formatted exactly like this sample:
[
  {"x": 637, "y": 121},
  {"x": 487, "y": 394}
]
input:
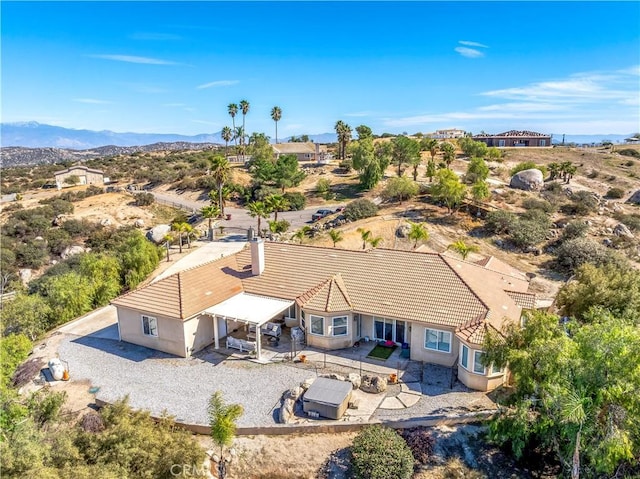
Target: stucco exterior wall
[
  {"x": 328, "y": 341},
  {"x": 478, "y": 381},
  {"x": 87, "y": 177},
  {"x": 170, "y": 337},
  {"x": 420, "y": 353},
  {"x": 198, "y": 333}
]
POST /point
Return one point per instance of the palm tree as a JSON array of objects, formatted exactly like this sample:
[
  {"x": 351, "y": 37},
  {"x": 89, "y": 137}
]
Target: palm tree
[
  {"x": 180, "y": 227},
  {"x": 232, "y": 108},
  {"x": 244, "y": 107},
  {"x": 222, "y": 421},
  {"x": 227, "y": 136},
  {"x": 258, "y": 209},
  {"x": 168, "y": 238},
  {"x": 448, "y": 152},
  {"x": 374, "y": 242},
  {"x": 365, "y": 235},
  {"x": 430, "y": 145},
  {"x": 302, "y": 232},
  {"x": 343, "y": 132},
  {"x": 463, "y": 249},
  {"x": 210, "y": 212},
  {"x": 336, "y": 236},
  {"x": 276, "y": 115},
  {"x": 418, "y": 232},
  {"x": 275, "y": 204},
  {"x": 220, "y": 171}
]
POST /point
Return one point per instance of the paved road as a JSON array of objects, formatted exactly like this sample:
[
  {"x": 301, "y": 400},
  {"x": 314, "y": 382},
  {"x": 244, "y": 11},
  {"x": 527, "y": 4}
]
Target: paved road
[{"x": 239, "y": 216}]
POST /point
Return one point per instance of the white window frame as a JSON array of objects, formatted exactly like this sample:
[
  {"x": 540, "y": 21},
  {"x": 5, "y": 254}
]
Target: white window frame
[
  {"x": 345, "y": 326},
  {"x": 150, "y": 320},
  {"x": 312, "y": 319},
  {"x": 496, "y": 371},
  {"x": 440, "y": 336},
  {"x": 464, "y": 349},
  {"x": 476, "y": 361}
]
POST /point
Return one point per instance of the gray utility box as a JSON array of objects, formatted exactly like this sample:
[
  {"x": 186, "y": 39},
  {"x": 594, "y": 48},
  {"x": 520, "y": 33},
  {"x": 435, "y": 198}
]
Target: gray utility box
[{"x": 327, "y": 397}]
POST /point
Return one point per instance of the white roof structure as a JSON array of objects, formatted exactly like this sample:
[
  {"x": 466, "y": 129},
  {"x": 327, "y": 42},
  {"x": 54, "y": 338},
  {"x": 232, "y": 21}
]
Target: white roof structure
[{"x": 250, "y": 308}]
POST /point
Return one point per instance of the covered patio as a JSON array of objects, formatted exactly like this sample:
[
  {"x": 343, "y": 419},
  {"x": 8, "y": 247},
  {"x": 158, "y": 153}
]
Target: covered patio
[{"x": 255, "y": 313}]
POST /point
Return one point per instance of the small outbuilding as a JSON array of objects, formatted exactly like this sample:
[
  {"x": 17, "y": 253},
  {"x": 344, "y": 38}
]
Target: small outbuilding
[{"x": 327, "y": 398}]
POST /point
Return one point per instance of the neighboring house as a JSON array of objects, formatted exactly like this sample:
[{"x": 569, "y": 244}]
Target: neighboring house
[
  {"x": 303, "y": 151},
  {"x": 515, "y": 138},
  {"x": 447, "y": 134},
  {"x": 86, "y": 176},
  {"x": 632, "y": 141},
  {"x": 440, "y": 306}
]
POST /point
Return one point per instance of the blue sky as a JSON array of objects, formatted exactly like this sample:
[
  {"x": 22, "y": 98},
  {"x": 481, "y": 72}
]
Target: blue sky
[{"x": 173, "y": 67}]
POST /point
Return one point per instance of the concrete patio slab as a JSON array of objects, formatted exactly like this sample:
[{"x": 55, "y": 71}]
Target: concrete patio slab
[
  {"x": 408, "y": 399},
  {"x": 413, "y": 387},
  {"x": 392, "y": 403}
]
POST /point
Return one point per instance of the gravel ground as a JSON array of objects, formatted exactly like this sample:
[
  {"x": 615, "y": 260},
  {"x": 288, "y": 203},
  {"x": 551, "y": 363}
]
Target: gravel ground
[{"x": 156, "y": 381}]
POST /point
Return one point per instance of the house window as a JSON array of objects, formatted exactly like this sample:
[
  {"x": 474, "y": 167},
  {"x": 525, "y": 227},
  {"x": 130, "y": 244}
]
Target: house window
[
  {"x": 317, "y": 324},
  {"x": 149, "y": 326},
  {"x": 543, "y": 142},
  {"x": 437, "y": 340},
  {"x": 478, "y": 366},
  {"x": 339, "y": 327},
  {"x": 464, "y": 356},
  {"x": 496, "y": 370},
  {"x": 291, "y": 312},
  {"x": 501, "y": 142}
]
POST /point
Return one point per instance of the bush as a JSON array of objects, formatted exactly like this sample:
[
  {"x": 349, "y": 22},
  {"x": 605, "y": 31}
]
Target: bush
[
  {"x": 573, "y": 230},
  {"x": 421, "y": 443},
  {"x": 528, "y": 165},
  {"x": 32, "y": 254},
  {"x": 144, "y": 199},
  {"x": 359, "y": 209},
  {"x": 632, "y": 221},
  {"x": 536, "y": 204},
  {"x": 615, "y": 193},
  {"x": 346, "y": 165},
  {"x": 379, "y": 452},
  {"x": 574, "y": 253},
  {"x": 400, "y": 188},
  {"x": 500, "y": 221},
  {"x": 526, "y": 232},
  {"x": 582, "y": 203},
  {"x": 297, "y": 201},
  {"x": 280, "y": 226},
  {"x": 629, "y": 152},
  {"x": 323, "y": 186}
]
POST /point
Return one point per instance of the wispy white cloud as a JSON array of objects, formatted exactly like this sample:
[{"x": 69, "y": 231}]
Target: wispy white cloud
[
  {"x": 523, "y": 107},
  {"x": 472, "y": 44},
  {"x": 135, "y": 59},
  {"x": 217, "y": 83},
  {"x": 92, "y": 101},
  {"x": 469, "y": 52},
  {"x": 154, "y": 36}
]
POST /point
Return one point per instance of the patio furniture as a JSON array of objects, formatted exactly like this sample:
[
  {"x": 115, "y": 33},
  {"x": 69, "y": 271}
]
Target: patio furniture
[
  {"x": 240, "y": 344},
  {"x": 269, "y": 329}
]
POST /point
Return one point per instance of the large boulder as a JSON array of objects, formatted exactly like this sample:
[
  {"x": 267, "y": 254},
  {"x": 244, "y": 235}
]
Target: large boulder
[
  {"x": 403, "y": 231},
  {"x": 373, "y": 384},
  {"x": 72, "y": 250},
  {"x": 286, "y": 415},
  {"x": 157, "y": 233},
  {"x": 355, "y": 380},
  {"x": 622, "y": 230},
  {"x": 528, "y": 180}
]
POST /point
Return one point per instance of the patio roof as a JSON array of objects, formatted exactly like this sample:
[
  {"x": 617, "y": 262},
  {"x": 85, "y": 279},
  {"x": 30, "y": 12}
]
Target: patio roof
[{"x": 249, "y": 308}]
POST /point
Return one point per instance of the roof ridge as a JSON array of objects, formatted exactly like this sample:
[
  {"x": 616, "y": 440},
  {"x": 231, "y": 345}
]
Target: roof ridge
[
  {"x": 486, "y": 306},
  {"x": 180, "y": 306},
  {"x": 478, "y": 265}
]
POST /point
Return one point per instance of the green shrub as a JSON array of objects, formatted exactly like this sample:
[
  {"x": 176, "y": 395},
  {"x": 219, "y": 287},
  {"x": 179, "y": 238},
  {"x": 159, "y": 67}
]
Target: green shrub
[
  {"x": 400, "y": 188},
  {"x": 379, "y": 452},
  {"x": 630, "y": 220},
  {"x": 297, "y": 201},
  {"x": 528, "y": 232},
  {"x": 574, "y": 229},
  {"x": 629, "y": 152},
  {"x": 615, "y": 193},
  {"x": 32, "y": 254},
  {"x": 500, "y": 221},
  {"x": 323, "y": 186},
  {"x": 346, "y": 165},
  {"x": 582, "y": 203},
  {"x": 280, "y": 226},
  {"x": 421, "y": 443},
  {"x": 536, "y": 204},
  {"x": 528, "y": 165},
  {"x": 359, "y": 209},
  {"x": 576, "y": 252},
  {"x": 144, "y": 199}
]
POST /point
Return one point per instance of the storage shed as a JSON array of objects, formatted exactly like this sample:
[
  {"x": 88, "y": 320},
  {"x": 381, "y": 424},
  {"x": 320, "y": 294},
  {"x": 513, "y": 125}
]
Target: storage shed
[{"x": 327, "y": 397}]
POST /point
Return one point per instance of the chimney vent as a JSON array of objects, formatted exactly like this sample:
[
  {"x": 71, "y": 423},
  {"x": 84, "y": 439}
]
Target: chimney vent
[{"x": 257, "y": 256}]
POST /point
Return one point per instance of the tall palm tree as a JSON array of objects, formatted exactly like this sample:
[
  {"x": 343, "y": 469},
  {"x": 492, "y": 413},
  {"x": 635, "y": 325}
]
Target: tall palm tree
[
  {"x": 418, "y": 232},
  {"x": 276, "y": 203},
  {"x": 276, "y": 115},
  {"x": 463, "y": 249},
  {"x": 181, "y": 228},
  {"x": 258, "y": 209},
  {"x": 210, "y": 212},
  {"x": 227, "y": 136},
  {"x": 302, "y": 232},
  {"x": 365, "y": 235},
  {"x": 220, "y": 171},
  {"x": 448, "y": 152},
  {"x": 430, "y": 145},
  {"x": 244, "y": 108},
  {"x": 343, "y": 132},
  {"x": 336, "y": 236},
  {"x": 232, "y": 108}
]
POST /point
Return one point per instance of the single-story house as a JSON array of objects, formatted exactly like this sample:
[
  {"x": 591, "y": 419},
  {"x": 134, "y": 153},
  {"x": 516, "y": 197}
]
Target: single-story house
[
  {"x": 515, "y": 138},
  {"x": 448, "y": 134},
  {"x": 439, "y": 306},
  {"x": 304, "y": 151},
  {"x": 83, "y": 175}
]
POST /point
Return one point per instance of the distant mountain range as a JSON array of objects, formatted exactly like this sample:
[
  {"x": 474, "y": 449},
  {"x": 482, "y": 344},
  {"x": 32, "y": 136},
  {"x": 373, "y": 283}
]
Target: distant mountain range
[{"x": 37, "y": 135}]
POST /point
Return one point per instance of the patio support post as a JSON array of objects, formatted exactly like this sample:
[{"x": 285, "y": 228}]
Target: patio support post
[
  {"x": 216, "y": 333},
  {"x": 258, "y": 342}
]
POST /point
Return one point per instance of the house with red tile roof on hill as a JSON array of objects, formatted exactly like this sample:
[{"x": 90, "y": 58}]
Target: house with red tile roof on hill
[
  {"x": 515, "y": 138},
  {"x": 439, "y": 306}
]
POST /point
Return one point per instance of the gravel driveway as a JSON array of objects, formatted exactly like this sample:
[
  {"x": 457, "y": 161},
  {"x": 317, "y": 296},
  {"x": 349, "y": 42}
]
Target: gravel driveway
[{"x": 157, "y": 382}]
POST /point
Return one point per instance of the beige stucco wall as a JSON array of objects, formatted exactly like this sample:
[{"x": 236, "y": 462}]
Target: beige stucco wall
[
  {"x": 198, "y": 333},
  {"x": 478, "y": 381},
  {"x": 86, "y": 177},
  {"x": 327, "y": 341},
  {"x": 420, "y": 353},
  {"x": 170, "y": 337}
]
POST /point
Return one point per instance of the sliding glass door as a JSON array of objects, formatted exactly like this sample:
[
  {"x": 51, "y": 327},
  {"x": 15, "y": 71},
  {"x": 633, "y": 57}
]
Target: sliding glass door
[{"x": 385, "y": 329}]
